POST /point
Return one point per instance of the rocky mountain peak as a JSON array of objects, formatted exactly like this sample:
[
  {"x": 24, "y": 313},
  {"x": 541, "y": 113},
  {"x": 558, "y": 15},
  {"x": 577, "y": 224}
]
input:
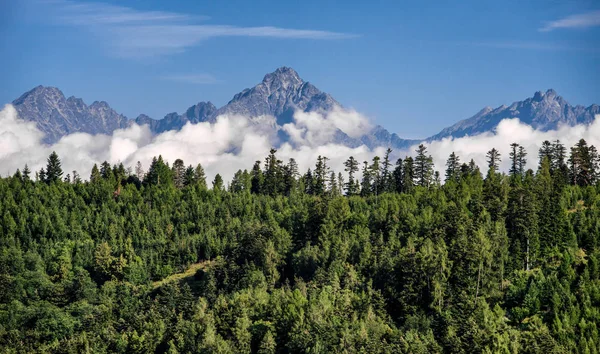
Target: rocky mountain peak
[
  {"x": 282, "y": 78},
  {"x": 40, "y": 92}
]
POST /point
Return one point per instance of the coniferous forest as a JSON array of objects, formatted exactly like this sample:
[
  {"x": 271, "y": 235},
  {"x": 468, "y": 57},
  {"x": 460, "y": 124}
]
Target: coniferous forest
[{"x": 383, "y": 257}]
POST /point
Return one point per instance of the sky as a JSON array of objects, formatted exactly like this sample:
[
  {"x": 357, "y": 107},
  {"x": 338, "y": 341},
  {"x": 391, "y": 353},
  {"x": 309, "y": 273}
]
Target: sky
[{"x": 412, "y": 67}]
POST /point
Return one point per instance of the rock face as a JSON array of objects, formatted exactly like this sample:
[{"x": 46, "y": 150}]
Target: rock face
[
  {"x": 544, "y": 111},
  {"x": 57, "y": 116},
  {"x": 280, "y": 94}
]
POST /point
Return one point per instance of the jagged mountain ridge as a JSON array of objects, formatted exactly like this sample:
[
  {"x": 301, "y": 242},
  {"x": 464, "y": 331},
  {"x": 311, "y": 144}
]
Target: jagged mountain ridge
[
  {"x": 280, "y": 94},
  {"x": 57, "y": 116},
  {"x": 544, "y": 111}
]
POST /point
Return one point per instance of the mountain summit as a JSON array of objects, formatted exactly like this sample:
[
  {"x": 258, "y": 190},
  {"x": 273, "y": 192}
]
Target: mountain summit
[
  {"x": 57, "y": 116},
  {"x": 279, "y": 94}
]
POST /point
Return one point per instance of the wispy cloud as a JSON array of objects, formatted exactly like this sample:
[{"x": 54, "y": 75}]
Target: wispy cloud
[
  {"x": 199, "y": 79},
  {"x": 135, "y": 33},
  {"x": 586, "y": 20}
]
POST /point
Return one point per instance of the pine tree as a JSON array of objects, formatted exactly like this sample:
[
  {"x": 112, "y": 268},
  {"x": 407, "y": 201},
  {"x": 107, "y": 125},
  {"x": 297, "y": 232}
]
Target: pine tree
[
  {"x": 106, "y": 170},
  {"x": 332, "y": 184},
  {"x": 178, "y": 171},
  {"x": 494, "y": 159},
  {"x": 546, "y": 151},
  {"x": 453, "y": 168},
  {"x": 423, "y": 167},
  {"x": 365, "y": 185},
  {"x": 200, "y": 176},
  {"x": 26, "y": 173},
  {"x": 53, "y": 168},
  {"x": 522, "y": 160},
  {"x": 290, "y": 176},
  {"x": 309, "y": 183},
  {"x": 189, "y": 176},
  {"x": 218, "y": 183},
  {"x": 95, "y": 175},
  {"x": 320, "y": 175},
  {"x": 387, "y": 184},
  {"x": 257, "y": 179},
  {"x": 398, "y": 176},
  {"x": 273, "y": 174},
  {"x": 376, "y": 177},
  {"x": 408, "y": 175},
  {"x": 351, "y": 186}
]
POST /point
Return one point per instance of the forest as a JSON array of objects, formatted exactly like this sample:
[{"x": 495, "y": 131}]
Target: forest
[{"x": 382, "y": 257}]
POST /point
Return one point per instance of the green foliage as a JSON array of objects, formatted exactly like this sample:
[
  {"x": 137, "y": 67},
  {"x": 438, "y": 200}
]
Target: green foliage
[{"x": 277, "y": 263}]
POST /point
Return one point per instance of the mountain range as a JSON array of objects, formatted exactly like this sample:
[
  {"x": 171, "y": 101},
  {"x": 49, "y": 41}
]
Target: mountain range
[{"x": 280, "y": 94}]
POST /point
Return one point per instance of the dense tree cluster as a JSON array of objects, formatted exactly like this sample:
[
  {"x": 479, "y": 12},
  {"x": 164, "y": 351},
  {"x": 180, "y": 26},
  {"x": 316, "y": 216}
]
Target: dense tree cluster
[{"x": 275, "y": 261}]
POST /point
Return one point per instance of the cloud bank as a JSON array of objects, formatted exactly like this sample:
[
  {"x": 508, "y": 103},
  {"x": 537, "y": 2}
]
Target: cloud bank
[{"x": 235, "y": 142}]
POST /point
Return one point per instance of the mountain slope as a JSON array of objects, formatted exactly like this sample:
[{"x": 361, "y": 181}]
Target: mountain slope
[
  {"x": 544, "y": 111},
  {"x": 57, "y": 116},
  {"x": 279, "y": 94}
]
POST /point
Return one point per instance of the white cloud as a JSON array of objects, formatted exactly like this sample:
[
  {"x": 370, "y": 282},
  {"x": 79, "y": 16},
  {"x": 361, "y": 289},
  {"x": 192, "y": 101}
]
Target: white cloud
[
  {"x": 586, "y": 20},
  {"x": 235, "y": 142},
  {"x": 135, "y": 33},
  {"x": 316, "y": 128},
  {"x": 507, "y": 132}
]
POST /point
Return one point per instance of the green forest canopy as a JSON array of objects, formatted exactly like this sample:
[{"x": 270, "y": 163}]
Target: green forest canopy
[{"x": 276, "y": 261}]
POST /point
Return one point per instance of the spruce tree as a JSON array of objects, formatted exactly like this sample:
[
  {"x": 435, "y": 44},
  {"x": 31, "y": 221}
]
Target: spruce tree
[
  {"x": 398, "y": 177},
  {"x": 423, "y": 167},
  {"x": 53, "y": 168},
  {"x": 453, "y": 168},
  {"x": 408, "y": 175},
  {"x": 351, "y": 167}
]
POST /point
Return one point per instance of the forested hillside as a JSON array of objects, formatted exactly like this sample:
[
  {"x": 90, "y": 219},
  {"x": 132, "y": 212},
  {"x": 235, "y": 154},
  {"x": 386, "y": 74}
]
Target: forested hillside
[{"x": 390, "y": 260}]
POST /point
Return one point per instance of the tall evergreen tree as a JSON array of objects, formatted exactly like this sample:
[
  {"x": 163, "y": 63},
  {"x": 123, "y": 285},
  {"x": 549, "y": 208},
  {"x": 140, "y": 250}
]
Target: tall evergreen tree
[
  {"x": 178, "y": 171},
  {"x": 351, "y": 165},
  {"x": 423, "y": 167},
  {"x": 257, "y": 178},
  {"x": 376, "y": 177},
  {"x": 200, "y": 176},
  {"x": 367, "y": 180},
  {"x": 398, "y": 176},
  {"x": 189, "y": 176},
  {"x": 387, "y": 182},
  {"x": 95, "y": 176},
  {"x": 453, "y": 168},
  {"x": 408, "y": 175},
  {"x": 494, "y": 159},
  {"x": 53, "y": 168},
  {"x": 26, "y": 173},
  {"x": 320, "y": 175},
  {"x": 217, "y": 183}
]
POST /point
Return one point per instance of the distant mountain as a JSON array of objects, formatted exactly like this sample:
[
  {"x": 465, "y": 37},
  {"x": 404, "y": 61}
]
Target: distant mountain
[
  {"x": 280, "y": 94},
  {"x": 57, "y": 116},
  {"x": 543, "y": 111}
]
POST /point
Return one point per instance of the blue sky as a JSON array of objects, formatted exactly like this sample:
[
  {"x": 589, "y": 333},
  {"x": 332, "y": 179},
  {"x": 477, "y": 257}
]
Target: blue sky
[{"x": 413, "y": 67}]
